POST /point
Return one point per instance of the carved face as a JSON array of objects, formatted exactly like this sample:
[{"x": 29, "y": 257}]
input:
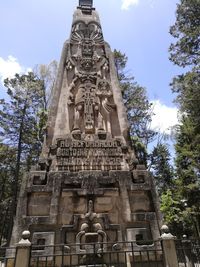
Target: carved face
[
  {"x": 87, "y": 49},
  {"x": 88, "y": 85},
  {"x": 87, "y": 64}
]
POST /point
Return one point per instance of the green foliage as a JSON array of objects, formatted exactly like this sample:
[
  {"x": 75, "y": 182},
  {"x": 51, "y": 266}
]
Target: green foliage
[
  {"x": 120, "y": 64},
  {"x": 187, "y": 151},
  {"x": 185, "y": 52},
  {"x": 161, "y": 168},
  {"x": 22, "y": 128},
  {"x": 187, "y": 89},
  {"x": 22, "y": 120},
  {"x": 140, "y": 150},
  {"x": 21, "y": 117},
  {"x": 7, "y": 167},
  {"x": 169, "y": 207},
  {"x": 179, "y": 214},
  {"x": 188, "y": 169},
  {"x": 174, "y": 211},
  {"x": 186, "y": 30},
  {"x": 139, "y": 109}
]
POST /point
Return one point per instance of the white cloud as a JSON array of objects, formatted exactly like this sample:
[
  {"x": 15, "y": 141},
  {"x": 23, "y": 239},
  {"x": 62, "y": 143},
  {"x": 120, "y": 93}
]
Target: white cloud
[
  {"x": 9, "y": 67},
  {"x": 126, "y": 4},
  {"x": 165, "y": 117}
]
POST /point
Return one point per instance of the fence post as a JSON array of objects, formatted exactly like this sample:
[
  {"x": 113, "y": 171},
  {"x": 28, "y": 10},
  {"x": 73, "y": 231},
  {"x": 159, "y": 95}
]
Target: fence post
[
  {"x": 23, "y": 251},
  {"x": 169, "y": 248}
]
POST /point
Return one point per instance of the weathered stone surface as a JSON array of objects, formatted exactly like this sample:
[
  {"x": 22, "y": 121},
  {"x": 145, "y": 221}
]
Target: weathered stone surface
[
  {"x": 88, "y": 185},
  {"x": 141, "y": 201},
  {"x": 41, "y": 239},
  {"x": 39, "y": 204}
]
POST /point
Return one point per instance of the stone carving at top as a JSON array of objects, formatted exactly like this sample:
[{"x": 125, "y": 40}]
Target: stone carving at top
[
  {"x": 91, "y": 32},
  {"x": 90, "y": 123},
  {"x": 90, "y": 95},
  {"x": 87, "y": 51}
]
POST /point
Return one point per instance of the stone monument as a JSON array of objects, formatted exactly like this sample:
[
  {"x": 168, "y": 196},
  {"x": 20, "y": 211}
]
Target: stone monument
[{"x": 88, "y": 186}]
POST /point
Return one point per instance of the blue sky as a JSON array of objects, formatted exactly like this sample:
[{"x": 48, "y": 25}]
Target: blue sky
[{"x": 33, "y": 32}]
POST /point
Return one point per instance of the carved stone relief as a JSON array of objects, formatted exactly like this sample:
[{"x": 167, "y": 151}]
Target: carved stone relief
[
  {"x": 82, "y": 31},
  {"x": 87, "y": 157},
  {"x": 91, "y": 231},
  {"x": 90, "y": 94},
  {"x": 76, "y": 155}
]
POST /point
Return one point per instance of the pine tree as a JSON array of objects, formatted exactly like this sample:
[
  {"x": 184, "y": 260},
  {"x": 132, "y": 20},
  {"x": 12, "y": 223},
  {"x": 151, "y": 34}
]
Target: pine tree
[
  {"x": 188, "y": 173},
  {"x": 139, "y": 109},
  {"x": 185, "y": 53},
  {"x": 20, "y": 124},
  {"x": 7, "y": 170},
  {"x": 161, "y": 168}
]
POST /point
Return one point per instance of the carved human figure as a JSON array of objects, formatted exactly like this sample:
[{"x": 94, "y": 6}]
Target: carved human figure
[
  {"x": 106, "y": 106},
  {"x": 86, "y": 106},
  {"x": 90, "y": 215},
  {"x": 93, "y": 107}
]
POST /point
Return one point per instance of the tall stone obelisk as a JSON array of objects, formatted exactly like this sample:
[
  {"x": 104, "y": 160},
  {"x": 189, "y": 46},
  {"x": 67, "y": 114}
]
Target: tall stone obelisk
[{"x": 88, "y": 186}]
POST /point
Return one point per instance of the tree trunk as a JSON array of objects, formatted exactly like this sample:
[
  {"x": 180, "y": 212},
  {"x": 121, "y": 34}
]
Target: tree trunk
[{"x": 17, "y": 175}]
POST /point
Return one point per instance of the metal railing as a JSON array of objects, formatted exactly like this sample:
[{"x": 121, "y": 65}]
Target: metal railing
[
  {"x": 7, "y": 256},
  {"x": 97, "y": 255},
  {"x": 188, "y": 252},
  {"x": 177, "y": 253}
]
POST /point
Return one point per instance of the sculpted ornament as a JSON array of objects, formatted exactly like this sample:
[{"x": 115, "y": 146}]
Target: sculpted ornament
[
  {"x": 91, "y": 231},
  {"x": 89, "y": 92},
  {"x": 104, "y": 92},
  {"x": 87, "y": 104},
  {"x": 103, "y": 88},
  {"x": 82, "y": 31},
  {"x": 86, "y": 38},
  {"x": 105, "y": 69},
  {"x": 92, "y": 106},
  {"x": 69, "y": 65},
  {"x": 86, "y": 56}
]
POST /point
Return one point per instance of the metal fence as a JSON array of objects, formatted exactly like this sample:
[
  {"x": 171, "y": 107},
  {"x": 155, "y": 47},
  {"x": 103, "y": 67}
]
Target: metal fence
[
  {"x": 188, "y": 252},
  {"x": 97, "y": 255},
  {"x": 7, "y": 256}
]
